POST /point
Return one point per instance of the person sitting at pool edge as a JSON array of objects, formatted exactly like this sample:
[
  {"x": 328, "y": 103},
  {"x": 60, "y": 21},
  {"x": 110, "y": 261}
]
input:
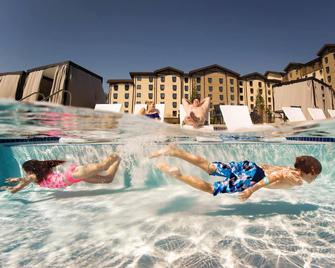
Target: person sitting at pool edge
[
  {"x": 245, "y": 177},
  {"x": 150, "y": 110},
  {"x": 41, "y": 173},
  {"x": 196, "y": 112}
]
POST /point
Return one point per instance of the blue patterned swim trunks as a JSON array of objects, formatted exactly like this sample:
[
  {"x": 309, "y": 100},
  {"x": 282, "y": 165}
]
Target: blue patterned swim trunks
[{"x": 238, "y": 176}]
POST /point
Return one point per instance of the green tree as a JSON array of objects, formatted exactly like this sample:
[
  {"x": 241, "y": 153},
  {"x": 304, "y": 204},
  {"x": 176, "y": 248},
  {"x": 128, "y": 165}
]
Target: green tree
[{"x": 260, "y": 108}]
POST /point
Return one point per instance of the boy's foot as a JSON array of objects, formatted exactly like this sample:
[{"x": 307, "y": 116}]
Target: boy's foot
[
  {"x": 173, "y": 171},
  {"x": 167, "y": 151}
]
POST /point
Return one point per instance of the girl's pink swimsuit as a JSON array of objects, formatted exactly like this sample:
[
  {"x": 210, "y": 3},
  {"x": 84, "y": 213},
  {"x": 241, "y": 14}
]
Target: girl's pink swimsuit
[{"x": 60, "y": 180}]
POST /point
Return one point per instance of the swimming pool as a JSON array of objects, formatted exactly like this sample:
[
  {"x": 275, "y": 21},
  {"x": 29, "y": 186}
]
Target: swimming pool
[{"x": 146, "y": 219}]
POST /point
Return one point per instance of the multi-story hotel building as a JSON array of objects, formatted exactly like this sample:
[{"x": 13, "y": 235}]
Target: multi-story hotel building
[{"x": 169, "y": 85}]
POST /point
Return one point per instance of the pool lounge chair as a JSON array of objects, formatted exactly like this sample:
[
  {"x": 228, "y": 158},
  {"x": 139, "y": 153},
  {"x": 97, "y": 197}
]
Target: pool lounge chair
[
  {"x": 294, "y": 114},
  {"x": 316, "y": 113},
  {"x": 115, "y": 107},
  {"x": 182, "y": 115},
  {"x": 331, "y": 113},
  {"x": 237, "y": 117},
  {"x": 159, "y": 107}
]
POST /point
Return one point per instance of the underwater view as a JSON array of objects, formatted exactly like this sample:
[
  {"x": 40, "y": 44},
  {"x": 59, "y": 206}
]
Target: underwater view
[{"x": 145, "y": 218}]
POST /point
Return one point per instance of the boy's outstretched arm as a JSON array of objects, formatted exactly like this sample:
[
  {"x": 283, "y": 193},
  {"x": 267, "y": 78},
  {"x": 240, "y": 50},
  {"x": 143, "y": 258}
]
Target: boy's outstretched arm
[{"x": 243, "y": 196}]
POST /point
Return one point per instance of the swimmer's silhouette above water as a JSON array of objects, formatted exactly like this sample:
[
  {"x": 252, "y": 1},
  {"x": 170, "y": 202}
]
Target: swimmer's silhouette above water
[{"x": 244, "y": 177}]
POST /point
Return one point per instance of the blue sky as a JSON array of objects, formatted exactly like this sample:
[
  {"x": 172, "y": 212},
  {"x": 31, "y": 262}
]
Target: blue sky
[{"x": 112, "y": 38}]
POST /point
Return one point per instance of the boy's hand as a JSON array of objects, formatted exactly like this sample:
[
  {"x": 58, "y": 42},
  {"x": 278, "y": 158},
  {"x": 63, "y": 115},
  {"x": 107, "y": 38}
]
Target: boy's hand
[{"x": 243, "y": 196}]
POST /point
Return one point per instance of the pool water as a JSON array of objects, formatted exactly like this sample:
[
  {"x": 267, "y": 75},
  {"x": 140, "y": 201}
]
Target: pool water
[{"x": 147, "y": 219}]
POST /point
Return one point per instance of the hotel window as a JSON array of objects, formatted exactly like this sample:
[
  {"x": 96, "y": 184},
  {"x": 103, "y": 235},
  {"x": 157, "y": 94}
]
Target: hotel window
[
  {"x": 250, "y": 83},
  {"x": 322, "y": 88},
  {"x": 290, "y": 75},
  {"x": 241, "y": 98},
  {"x": 251, "y": 98},
  {"x": 231, "y": 89},
  {"x": 174, "y": 113},
  {"x": 151, "y": 87},
  {"x": 221, "y": 97},
  {"x": 162, "y": 87},
  {"x": 334, "y": 56},
  {"x": 174, "y": 96},
  {"x": 260, "y": 84},
  {"x": 126, "y": 96},
  {"x": 251, "y": 91},
  {"x": 198, "y": 79},
  {"x": 268, "y": 84},
  {"x": 231, "y": 81},
  {"x": 174, "y": 87},
  {"x": 139, "y": 78},
  {"x": 126, "y": 87},
  {"x": 138, "y": 95},
  {"x": 221, "y": 80},
  {"x": 162, "y": 96},
  {"x": 296, "y": 72},
  {"x": 186, "y": 79},
  {"x": 174, "y": 105},
  {"x": 329, "y": 79},
  {"x": 114, "y": 102},
  {"x": 327, "y": 71},
  {"x": 252, "y": 106},
  {"x": 241, "y": 83},
  {"x": 186, "y": 96},
  {"x": 174, "y": 79},
  {"x": 221, "y": 89},
  {"x": 241, "y": 90},
  {"x": 210, "y": 88},
  {"x": 326, "y": 59},
  {"x": 209, "y": 80},
  {"x": 126, "y": 111},
  {"x": 150, "y": 96},
  {"x": 138, "y": 102},
  {"x": 269, "y": 99},
  {"x": 260, "y": 91},
  {"x": 198, "y": 88},
  {"x": 126, "y": 104},
  {"x": 186, "y": 88},
  {"x": 115, "y": 96},
  {"x": 116, "y": 87},
  {"x": 210, "y": 95},
  {"x": 162, "y": 79},
  {"x": 269, "y": 92},
  {"x": 269, "y": 107},
  {"x": 231, "y": 97},
  {"x": 151, "y": 79},
  {"x": 138, "y": 86}
]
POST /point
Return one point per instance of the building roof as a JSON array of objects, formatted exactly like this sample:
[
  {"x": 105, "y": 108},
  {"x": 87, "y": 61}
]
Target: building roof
[
  {"x": 302, "y": 80},
  {"x": 132, "y": 74},
  {"x": 71, "y": 63},
  {"x": 168, "y": 69},
  {"x": 274, "y": 72},
  {"x": 293, "y": 65},
  {"x": 214, "y": 66},
  {"x": 252, "y": 75},
  {"x": 119, "y": 81},
  {"x": 9, "y": 73},
  {"x": 325, "y": 48}
]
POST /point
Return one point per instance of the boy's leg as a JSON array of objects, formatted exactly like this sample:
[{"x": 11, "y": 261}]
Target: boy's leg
[
  {"x": 191, "y": 158},
  {"x": 195, "y": 182}
]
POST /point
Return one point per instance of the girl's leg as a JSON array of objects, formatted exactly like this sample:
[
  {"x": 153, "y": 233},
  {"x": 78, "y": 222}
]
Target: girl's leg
[
  {"x": 105, "y": 176},
  {"x": 195, "y": 182},
  {"x": 196, "y": 160},
  {"x": 91, "y": 170}
]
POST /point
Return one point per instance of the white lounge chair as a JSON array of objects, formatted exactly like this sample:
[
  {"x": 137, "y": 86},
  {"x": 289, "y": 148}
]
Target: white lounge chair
[
  {"x": 316, "y": 113},
  {"x": 159, "y": 107},
  {"x": 237, "y": 117},
  {"x": 294, "y": 114},
  {"x": 182, "y": 115},
  {"x": 331, "y": 113},
  {"x": 115, "y": 107}
]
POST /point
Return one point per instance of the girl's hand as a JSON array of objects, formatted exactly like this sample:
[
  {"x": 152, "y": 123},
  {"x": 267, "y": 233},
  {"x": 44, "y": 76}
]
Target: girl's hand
[
  {"x": 10, "y": 180},
  {"x": 243, "y": 196}
]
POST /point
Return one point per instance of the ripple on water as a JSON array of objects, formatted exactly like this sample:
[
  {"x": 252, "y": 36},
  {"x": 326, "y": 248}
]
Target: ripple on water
[{"x": 198, "y": 260}]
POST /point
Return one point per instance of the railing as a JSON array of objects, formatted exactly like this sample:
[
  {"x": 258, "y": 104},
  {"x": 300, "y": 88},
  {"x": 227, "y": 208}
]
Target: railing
[
  {"x": 31, "y": 94},
  {"x": 61, "y": 90}
]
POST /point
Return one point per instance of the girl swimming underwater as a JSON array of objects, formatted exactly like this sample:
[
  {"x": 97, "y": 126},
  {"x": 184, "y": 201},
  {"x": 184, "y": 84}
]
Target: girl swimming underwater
[
  {"x": 41, "y": 173},
  {"x": 245, "y": 177}
]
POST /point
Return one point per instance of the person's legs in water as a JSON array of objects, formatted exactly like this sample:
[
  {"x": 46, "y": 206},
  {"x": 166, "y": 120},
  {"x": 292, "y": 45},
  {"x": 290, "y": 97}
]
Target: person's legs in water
[
  {"x": 193, "y": 181},
  {"x": 172, "y": 150},
  {"x": 106, "y": 176},
  {"x": 91, "y": 170}
]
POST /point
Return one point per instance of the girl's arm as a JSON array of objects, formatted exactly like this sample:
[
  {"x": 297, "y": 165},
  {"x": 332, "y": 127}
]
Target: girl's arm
[{"x": 22, "y": 184}]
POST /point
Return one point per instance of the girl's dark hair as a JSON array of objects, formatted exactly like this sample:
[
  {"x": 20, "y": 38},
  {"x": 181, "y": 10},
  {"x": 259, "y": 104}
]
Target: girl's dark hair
[
  {"x": 308, "y": 164},
  {"x": 40, "y": 168}
]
